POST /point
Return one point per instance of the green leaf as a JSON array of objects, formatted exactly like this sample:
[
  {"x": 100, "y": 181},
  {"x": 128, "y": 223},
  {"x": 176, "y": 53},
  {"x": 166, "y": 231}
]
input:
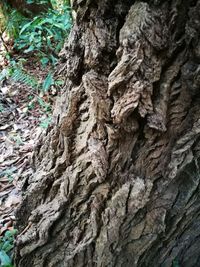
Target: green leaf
[
  {"x": 59, "y": 82},
  {"x": 4, "y": 74},
  {"x": 48, "y": 82},
  {"x": 1, "y": 108},
  {"x": 44, "y": 105},
  {"x": 30, "y": 49},
  {"x": 45, "y": 123},
  {"x": 7, "y": 246},
  {"x": 45, "y": 32},
  {"x": 53, "y": 59},
  {"x": 25, "y": 27},
  {"x": 175, "y": 263},
  {"x": 5, "y": 259},
  {"x": 44, "y": 61}
]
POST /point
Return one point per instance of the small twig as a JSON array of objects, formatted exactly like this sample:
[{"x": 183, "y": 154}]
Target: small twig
[
  {"x": 26, "y": 229},
  {"x": 3, "y": 42}
]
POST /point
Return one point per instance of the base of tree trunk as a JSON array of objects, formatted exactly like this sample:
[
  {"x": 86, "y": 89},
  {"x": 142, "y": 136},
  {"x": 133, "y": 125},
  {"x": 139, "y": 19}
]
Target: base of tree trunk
[{"x": 117, "y": 175}]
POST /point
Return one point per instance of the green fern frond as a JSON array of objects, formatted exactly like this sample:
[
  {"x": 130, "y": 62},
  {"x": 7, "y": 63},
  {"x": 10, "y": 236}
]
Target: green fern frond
[{"x": 18, "y": 74}]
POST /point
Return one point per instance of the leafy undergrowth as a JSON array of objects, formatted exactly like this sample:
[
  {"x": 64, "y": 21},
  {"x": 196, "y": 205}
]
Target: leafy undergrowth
[
  {"x": 25, "y": 112},
  {"x": 28, "y": 90},
  {"x": 6, "y": 247}
]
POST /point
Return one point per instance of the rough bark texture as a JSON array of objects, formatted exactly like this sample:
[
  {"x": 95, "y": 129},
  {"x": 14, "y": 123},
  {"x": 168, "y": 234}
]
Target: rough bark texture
[{"x": 117, "y": 175}]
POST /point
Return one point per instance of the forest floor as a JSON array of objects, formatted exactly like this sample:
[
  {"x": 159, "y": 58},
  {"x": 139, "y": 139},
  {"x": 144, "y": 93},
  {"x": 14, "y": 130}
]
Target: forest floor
[{"x": 25, "y": 112}]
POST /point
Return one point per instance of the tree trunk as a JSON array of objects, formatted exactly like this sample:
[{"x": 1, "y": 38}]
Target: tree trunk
[
  {"x": 116, "y": 179},
  {"x": 29, "y": 9}
]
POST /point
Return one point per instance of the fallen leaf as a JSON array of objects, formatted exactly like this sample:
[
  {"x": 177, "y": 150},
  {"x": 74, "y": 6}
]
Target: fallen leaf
[
  {"x": 12, "y": 200},
  {"x": 5, "y": 90}
]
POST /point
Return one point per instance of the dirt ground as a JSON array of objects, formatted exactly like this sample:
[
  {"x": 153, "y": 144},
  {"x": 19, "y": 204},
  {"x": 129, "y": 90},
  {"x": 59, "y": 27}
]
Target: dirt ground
[{"x": 24, "y": 115}]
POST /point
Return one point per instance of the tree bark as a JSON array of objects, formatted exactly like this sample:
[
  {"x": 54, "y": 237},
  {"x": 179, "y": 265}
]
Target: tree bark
[
  {"x": 29, "y": 9},
  {"x": 116, "y": 179}
]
